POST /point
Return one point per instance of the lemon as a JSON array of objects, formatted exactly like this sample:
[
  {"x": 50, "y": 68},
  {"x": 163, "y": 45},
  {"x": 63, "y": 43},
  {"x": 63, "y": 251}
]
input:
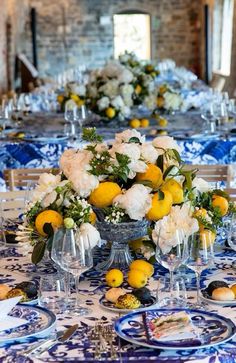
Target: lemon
[
  {"x": 160, "y": 102},
  {"x": 138, "y": 89},
  {"x": 149, "y": 68},
  {"x": 48, "y": 216},
  {"x": 201, "y": 212},
  {"x": 80, "y": 102},
  {"x": 153, "y": 174},
  {"x": 137, "y": 279},
  {"x": 162, "y": 122},
  {"x": 74, "y": 97},
  {"x": 92, "y": 218},
  {"x": 110, "y": 112},
  {"x": 162, "y": 132},
  {"x": 144, "y": 122},
  {"x": 221, "y": 203},
  {"x": 135, "y": 123},
  {"x": 233, "y": 288},
  {"x": 114, "y": 278},
  {"x": 175, "y": 189},
  {"x": 160, "y": 208},
  {"x": 60, "y": 98},
  {"x": 143, "y": 266},
  {"x": 104, "y": 194},
  {"x": 162, "y": 89},
  {"x": 207, "y": 237}
]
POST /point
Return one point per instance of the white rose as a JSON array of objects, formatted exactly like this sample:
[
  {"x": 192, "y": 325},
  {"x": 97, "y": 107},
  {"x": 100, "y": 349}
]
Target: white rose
[
  {"x": 46, "y": 184},
  {"x": 112, "y": 69},
  {"x": 163, "y": 143},
  {"x": 125, "y": 76},
  {"x": 117, "y": 102},
  {"x": 83, "y": 182},
  {"x": 126, "y": 135},
  {"x": 201, "y": 185},
  {"x": 110, "y": 88},
  {"x": 90, "y": 235},
  {"x": 136, "y": 201},
  {"x": 172, "y": 101},
  {"x": 149, "y": 153},
  {"x": 150, "y": 101},
  {"x": 49, "y": 199},
  {"x": 103, "y": 103}
]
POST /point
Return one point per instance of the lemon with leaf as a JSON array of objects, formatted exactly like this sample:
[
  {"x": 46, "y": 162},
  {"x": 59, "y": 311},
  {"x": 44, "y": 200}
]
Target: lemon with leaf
[
  {"x": 161, "y": 205},
  {"x": 153, "y": 174},
  {"x": 175, "y": 189},
  {"x": 48, "y": 217},
  {"x": 103, "y": 195}
]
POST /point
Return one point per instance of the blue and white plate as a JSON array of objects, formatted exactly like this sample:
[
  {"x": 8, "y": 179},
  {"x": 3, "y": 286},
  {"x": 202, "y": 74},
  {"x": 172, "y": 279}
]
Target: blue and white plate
[
  {"x": 40, "y": 322},
  {"x": 31, "y": 302},
  {"x": 212, "y": 329},
  {"x": 111, "y": 306},
  {"x": 209, "y": 299},
  {"x": 45, "y": 138}
]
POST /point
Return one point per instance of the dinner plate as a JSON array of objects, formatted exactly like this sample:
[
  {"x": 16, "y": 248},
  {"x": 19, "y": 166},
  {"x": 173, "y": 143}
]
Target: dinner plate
[
  {"x": 40, "y": 322},
  {"x": 45, "y": 138},
  {"x": 30, "y": 302},
  {"x": 212, "y": 329},
  {"x": 209, "y": 299},
  {"x": 111, "y": 306}
]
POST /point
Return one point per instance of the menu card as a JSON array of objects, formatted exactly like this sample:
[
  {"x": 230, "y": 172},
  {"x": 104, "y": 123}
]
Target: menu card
[{"x": 7, "y": 321}]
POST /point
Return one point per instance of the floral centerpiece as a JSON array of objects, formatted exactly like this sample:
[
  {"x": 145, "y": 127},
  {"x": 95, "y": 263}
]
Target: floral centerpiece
[
  {"x": 122, "y": 188},
  {"x": 72, "y": 91},
  {"x": 167, "y": 99}
]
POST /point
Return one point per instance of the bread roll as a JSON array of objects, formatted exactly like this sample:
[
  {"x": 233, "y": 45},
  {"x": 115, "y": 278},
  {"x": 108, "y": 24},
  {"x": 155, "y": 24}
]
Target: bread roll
[
  {"x": 4, "y": 289},
  {"x": 222, "y": 294}
]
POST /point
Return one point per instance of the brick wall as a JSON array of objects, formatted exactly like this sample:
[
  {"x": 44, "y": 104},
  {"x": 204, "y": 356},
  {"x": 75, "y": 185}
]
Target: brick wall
[{"x": 230, "y": 85}]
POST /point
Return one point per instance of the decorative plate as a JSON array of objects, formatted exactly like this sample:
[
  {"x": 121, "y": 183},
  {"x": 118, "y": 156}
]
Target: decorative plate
[
  {"x": 45, "y": 138},
  {"x": 209, "y": 299},
  {"x": 30, "y": 302},
  {"x": 40, "y": 322},
  {"x": 111, "y": 306},
  {"x": 212, "y": 329}
]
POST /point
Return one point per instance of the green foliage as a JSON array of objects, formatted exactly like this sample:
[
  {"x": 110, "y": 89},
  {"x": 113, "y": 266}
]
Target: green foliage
[
  {"x": 90, "y": 135},
  {"x": 134, "y": 140},
  {"x": 38, "y": 252},
  {"x": 77, "y": 212}
]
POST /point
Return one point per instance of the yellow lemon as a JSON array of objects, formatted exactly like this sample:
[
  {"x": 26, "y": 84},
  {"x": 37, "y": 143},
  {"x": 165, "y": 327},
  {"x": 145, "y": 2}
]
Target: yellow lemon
[
  {"x": 60, "y": 98},
  {"x": 175, "y": 189},
  {"x": 80, "y": 102},
  {"x": 162, "y": 122},
  {"x": 162, "y": 132},
  {"x": 138, "y": 89},
  {"x": 160, "y": 102},
  {"x": 137, "y": 279},
  {"x": 233, "y": 288},
  {"x": 153, "y": 174},
  {"x": 160, "y": 208},
  {"x": 220, "y": 202},
  {"x": 104, "y": 194},
  {"x": 135, "y": 123},
  {"x": 201, "y": 212},
  {"x": 149, "y": 68},
  {"x": 48, "y": 216},
  {"x": 144, "y": 122},
  {"x": 114, "y": 278},
  {"x": 207, "y": 237},
  {"x": 143, "y": 266},
  {"x": 162, "y": 89},
  {"x": 110, "y": 112},
  {"x": 74, "y": 97},
  {"x": 92, "y": 218}
]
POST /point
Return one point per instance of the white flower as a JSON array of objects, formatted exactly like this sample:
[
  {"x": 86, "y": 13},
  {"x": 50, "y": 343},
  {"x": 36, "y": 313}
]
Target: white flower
[
  {"x": 112, "y": 69},
  {"x": 165, "y": 142},
  {"x": 103, "y": 103},
  {"x": 150, "y": 101},
  {"x": 180, "y": 217},
  {"x": 92, "y": 91},
  {"x": 46, "y": 184},
  {"x": 89, "y": 234},
  {"x": 78, "y": 89},
  {"x": 136, "y": 201},
  {"x": 49, "y": 199},
  {"x": 125, "y": 76},
  {"x": 149, "y": 153},
  {"x": 201, "y": 185},
  {"x": 126, "y": 135},
  {"x": 126, "y": 91},
  {"x": 117, "y": 102},
  {"x": 110, "y": 88},
  {"x": 172, "y": 101}
]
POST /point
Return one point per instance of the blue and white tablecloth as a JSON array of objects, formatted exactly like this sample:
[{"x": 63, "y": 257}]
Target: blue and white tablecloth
[{"x": 16, "y": 267}]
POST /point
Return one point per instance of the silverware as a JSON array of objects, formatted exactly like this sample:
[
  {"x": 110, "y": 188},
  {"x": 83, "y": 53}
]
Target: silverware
[
  {"x": 42, "y": 344},
  {"x": 48, "y": 344}
]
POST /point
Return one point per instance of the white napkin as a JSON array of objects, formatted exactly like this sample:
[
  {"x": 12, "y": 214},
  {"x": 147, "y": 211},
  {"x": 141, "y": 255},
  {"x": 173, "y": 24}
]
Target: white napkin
[{"x": 7, "y": 321}]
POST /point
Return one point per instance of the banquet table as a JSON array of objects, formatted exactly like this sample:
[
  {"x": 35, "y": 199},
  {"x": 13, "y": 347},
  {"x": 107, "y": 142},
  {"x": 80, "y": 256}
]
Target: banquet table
[
  {"x": 44, "y": 141},
  {"x": 16, "y": 267}
]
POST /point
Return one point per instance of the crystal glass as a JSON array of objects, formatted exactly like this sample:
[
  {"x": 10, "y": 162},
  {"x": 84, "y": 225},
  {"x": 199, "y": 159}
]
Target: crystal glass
[
  {"x": 53, "y": 292},
  {"x": 231, "y": 238},
  {"x": 70, "y": 116},
  {"x": 200, "y": 257},
  {"x": 163, "y": 292},
  {"x": 171, "y": 254},
  {"x": 76, "y": 258}
]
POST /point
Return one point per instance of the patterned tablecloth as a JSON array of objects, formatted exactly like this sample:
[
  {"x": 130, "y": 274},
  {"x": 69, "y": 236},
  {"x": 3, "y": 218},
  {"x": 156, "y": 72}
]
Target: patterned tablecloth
[{"x": 16, "y": 267}]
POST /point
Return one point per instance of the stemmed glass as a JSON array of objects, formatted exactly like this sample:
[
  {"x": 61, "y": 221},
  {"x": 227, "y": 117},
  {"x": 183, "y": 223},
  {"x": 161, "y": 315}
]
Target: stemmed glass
[
  {"x": 200, "y": 257},
  {"x": 81, "y": 115},
  {"x": 231, "y": 238},
  {"x": 71, "y": 116},
  {"x": 172, "y": 256}
]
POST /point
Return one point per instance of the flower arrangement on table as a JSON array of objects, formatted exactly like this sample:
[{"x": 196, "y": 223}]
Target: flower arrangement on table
[
  {"x": 166, "y": 99},
  {"x": 127, "y": 183},
  {"x": 73, "y": 91}
]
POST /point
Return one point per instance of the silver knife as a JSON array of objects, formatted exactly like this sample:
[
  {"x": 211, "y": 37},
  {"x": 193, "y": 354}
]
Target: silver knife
[{"x": 67, "y": 335}]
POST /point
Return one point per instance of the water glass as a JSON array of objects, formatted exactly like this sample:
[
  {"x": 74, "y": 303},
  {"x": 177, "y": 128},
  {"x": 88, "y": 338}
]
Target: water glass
[
  {"x": 179, "y": 292},
  {"x": 53, "y": 293},
  {"x": 231, "y": 237}
]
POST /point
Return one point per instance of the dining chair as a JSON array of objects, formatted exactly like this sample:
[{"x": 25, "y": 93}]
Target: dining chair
[
  {"x": 213, "y": 173},
  {"x": 232, "y": 193},
  {"x": 16, "y": 179},
  {"x": 12, "y": 204}
]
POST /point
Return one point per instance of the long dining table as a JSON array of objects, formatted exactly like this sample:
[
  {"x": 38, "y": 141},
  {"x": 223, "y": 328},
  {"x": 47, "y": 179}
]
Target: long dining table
[{"x": 16, "y": 267}]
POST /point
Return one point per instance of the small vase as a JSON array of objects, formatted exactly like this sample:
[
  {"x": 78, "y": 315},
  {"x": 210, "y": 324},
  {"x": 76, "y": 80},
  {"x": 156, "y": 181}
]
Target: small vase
[{"x": 119, "y": 235}]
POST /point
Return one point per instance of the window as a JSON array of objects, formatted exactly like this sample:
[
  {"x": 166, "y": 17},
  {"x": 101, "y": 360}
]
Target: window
[
  {"x": 132, "y": 34},
  {"x": 222, "y": 36}
]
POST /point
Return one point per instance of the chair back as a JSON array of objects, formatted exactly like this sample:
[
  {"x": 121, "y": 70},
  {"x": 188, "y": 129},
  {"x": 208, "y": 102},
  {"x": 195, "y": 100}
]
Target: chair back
[
  {"x": 212, "y": 173},
  {"x": 12, "y": 204}
]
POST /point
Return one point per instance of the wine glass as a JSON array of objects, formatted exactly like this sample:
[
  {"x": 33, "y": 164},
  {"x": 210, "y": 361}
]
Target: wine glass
[
  {"x": 70, "y": 116},
  {"x": 76, "y": 258},
  {"x": 231, "y": 238},
  {"x": 171, "y": 253},
  {"x": 200, "y": 257}
]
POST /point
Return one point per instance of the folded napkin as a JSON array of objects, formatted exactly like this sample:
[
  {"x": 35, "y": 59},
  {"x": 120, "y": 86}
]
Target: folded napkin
[{"x": 7, "y": 321}]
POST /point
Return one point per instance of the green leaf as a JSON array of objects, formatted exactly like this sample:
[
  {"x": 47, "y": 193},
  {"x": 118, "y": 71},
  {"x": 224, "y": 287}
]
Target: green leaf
[
  {"x": 47, "y": 228},
  {"x": 38, "y": 252},
  {"x": 160, "y": 162},
  {"x": 177, "y": 156},
  {"x": 134, "y": 140},
  {"x": 188, "y": 179},
  {"x": 168, "y": 170},
  {"x": 221, "y": 193},
  {"x": 146, "y": 183},
  {"x": 89, "y": 134},
  {"x": 161, "y": 195}
]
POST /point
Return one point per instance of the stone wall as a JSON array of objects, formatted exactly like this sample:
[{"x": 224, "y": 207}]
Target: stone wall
[{"x": 230, "y": 85}]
